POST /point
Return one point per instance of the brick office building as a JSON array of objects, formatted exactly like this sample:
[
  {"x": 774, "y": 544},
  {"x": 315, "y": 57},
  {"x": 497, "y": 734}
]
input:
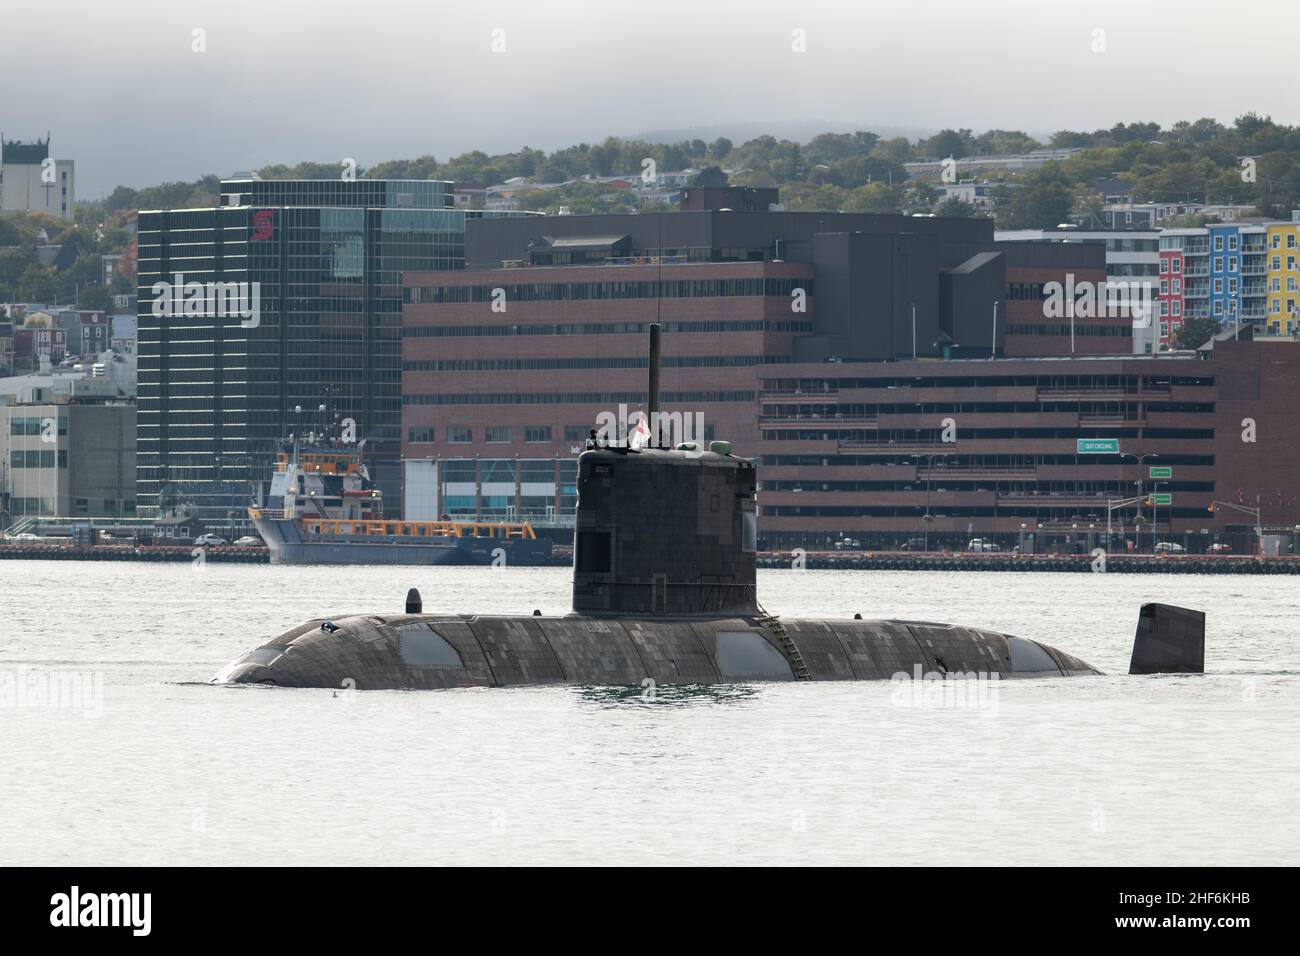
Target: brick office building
[{"x": 507, "y": 365}]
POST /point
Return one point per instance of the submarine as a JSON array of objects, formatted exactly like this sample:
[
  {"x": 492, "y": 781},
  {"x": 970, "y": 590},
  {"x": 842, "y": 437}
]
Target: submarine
[{"x": 665, "y": 591}]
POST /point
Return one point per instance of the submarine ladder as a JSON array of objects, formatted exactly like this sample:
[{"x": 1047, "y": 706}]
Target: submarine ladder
[{"x": 792, "y": 650}]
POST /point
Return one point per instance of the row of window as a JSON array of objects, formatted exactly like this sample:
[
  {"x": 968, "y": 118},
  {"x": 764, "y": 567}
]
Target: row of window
[
  {"x": 27, "y": 425},
  {"x": 588, "y": 291},
  {"x": 527, "y": 471},
  {"x": 608, "y": 362},
  {"x": 1047, "y": 383},
  {"x": 602, "y": 328},
  {"x": 37, "y": 459},
  {"x": 970, "y": 462},
  {"x": 1057, "y": 328},
  {"x": 604, "y": 399},
  {"x": 493, "y": 434}
]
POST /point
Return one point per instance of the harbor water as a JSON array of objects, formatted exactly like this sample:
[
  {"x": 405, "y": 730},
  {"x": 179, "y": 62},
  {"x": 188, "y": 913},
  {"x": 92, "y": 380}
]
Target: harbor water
[{"x": 114, "y": 750}]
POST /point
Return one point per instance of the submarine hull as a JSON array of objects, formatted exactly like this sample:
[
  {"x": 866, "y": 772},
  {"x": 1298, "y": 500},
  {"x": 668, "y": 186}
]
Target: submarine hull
[{"x": 431, "y": 651}]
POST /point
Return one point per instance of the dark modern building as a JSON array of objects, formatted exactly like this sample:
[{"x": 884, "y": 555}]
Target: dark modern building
[
  {"x": 872, "y": 274},
  {"x": 320, "y": 263}
]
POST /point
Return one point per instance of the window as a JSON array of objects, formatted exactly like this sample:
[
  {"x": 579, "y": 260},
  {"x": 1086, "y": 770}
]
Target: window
[
  {"x": 496, "y": 434},
  {"x": 1218, "y": 263},
  {"x": 537, "y": 433},
  {"x": 541, "y": 471},
  {"x": 1178, "y": 265},
  {"x": 460, "y": 434},
  {"x": 576, "y": 432},
  {"x": 1232, "y": 263},
  {"x": 459, "y": 469},
  {"x": 1164, "y": 265},
  {"x": 1218, "y": 243},
  {"x": 419, "y": 436},
  {"x": 1232, "y": 243}
]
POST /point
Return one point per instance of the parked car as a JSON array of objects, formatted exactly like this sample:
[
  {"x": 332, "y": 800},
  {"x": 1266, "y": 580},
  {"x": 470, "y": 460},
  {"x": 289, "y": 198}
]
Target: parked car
[
  {"x": 248, "y": 541},
  {"x": 913, "y": 544},
  {"x": 210, "y": 540},
  {"x": 25, "y": 536},
  {"x": 1168, "y": 547},
  {"x": 847, "y": 544},
  {"x": 980, "y": 544},
  {"x": 1219, "y": 549}
]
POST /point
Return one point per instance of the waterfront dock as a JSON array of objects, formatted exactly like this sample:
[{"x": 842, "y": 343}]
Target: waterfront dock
[{"x": 967, "y": 561}]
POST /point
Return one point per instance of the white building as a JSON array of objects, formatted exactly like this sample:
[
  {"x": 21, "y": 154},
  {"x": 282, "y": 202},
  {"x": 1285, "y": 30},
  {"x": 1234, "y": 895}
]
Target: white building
[{"x": 31, "y": 181}]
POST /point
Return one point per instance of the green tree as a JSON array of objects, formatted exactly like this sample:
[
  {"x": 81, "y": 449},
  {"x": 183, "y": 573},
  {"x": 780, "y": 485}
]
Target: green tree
[
  {"x": 955, "y": 206},
  {"x": 94, "y": 297},
  {"x": 1041, "y": 200},
  {"x": 710, "y": 176},
  {"x": 1195, "y": 332},
  {"x": 949, "y": 142}
]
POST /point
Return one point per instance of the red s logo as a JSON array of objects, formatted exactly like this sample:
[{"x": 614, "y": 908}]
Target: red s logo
[{"x": 262, "y": 225}]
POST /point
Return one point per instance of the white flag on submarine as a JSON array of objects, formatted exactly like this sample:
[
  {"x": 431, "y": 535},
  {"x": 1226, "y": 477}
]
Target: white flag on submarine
[{"x": 640, "y": 436}]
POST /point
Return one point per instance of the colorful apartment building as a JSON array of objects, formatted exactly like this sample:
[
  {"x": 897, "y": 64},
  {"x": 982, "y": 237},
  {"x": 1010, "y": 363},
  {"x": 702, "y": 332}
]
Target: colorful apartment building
[
  {"x": 1219, "y": 271},
  {"x": 1282, "y": 257}
]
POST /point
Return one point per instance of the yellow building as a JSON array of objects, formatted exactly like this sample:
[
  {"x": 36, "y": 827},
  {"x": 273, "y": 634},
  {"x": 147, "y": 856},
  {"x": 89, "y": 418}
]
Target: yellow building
[{"x": 1282, "y": 258}]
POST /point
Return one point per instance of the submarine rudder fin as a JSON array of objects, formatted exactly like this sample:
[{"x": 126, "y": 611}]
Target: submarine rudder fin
[{"x": 1169, "y": 640}]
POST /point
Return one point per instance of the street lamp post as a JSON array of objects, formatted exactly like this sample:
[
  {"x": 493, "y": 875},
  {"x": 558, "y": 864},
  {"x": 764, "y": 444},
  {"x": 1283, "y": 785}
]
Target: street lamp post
[
  {"x": 913, "y": 331},
  {"x": 1141, "y": 482},
  {"x": 994, "y": 353},
  {"x": 1246, "y": 509}
]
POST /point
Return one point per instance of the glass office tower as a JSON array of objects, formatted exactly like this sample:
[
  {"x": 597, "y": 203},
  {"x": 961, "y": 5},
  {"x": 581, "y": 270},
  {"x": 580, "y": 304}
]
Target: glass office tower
[{"x": 322, "y": 263}]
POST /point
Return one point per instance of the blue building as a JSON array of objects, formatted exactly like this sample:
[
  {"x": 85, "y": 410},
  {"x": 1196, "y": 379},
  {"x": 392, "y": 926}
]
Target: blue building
[{"x": 1225, "y": 272}]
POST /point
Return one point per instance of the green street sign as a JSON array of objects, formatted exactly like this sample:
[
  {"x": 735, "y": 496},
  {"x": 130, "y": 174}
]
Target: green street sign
[
  {"x": 1161, "y": 472},
  {"x": 1096, "y": 446},
  {"x": 1163, "y": 499}
]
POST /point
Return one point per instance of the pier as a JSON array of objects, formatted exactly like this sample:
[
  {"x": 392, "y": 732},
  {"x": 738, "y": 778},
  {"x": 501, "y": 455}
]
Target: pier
[{"x": 967, "y": 561}]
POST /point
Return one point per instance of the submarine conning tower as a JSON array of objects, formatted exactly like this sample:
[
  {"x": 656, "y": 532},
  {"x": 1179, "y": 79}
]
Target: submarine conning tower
[{"x": 662, "y": 531}]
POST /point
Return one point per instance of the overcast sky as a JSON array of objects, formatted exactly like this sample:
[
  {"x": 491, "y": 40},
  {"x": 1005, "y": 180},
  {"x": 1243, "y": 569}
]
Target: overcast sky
[{"x": 118, "y": 85}]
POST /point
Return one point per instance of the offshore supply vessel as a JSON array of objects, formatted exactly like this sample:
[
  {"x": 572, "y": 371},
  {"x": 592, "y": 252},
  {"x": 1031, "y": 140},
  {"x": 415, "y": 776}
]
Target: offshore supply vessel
[
  {"x": 322, "y": 508},
  {"x": 664, "y": 589}
]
